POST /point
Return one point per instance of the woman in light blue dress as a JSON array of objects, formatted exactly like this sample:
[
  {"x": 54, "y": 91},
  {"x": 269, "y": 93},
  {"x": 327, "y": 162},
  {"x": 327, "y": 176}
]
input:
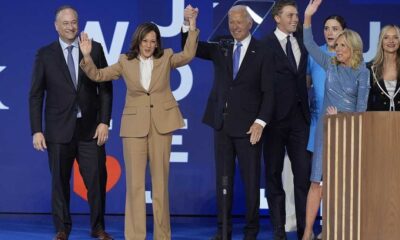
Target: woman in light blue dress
[
  {"x": 316, "y": 75},
  {"x": 346, "y": 90}
]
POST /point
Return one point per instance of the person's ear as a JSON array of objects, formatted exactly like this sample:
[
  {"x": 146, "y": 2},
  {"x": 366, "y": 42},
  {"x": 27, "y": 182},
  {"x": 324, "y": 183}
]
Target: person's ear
[{"x": 277, "y": 19}]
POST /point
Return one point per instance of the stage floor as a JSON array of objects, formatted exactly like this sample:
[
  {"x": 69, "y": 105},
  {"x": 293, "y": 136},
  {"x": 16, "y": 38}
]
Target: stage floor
[{"x": 39, "y": 227}]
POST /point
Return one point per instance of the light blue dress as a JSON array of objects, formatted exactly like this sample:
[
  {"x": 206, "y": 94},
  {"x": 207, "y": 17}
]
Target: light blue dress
[
  {"x": 316, "y": 97},
  {"x": 345, "y": 88}
]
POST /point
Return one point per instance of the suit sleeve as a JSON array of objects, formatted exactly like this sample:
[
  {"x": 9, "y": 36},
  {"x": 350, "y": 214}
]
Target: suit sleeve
[
  {"x": 36, "y": 95},
  {"x": 98, "y": 74},
  {"x": 105, "y": 92},
  {"x": 323, "y": 59},
  {"x": 363, "y": 90},
  {"x": 204, "y": 50},
  {"x": 189, "y": 50},
  {"x": 267, "y": 87}
]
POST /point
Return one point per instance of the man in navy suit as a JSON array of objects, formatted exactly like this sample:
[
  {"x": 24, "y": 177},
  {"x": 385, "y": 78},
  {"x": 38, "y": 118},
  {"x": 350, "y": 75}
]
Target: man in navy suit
[
  {"x": 238, "y": 108},
  {"x": 77, "y": 115},
  {"x": 289, "y": 127}
]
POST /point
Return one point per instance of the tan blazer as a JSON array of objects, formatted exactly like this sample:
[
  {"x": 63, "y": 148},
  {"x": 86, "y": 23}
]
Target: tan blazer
[{"x": 157, "y": 103}]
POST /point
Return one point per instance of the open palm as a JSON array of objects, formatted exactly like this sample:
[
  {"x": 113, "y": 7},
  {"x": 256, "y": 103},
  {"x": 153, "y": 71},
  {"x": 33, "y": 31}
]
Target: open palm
[
  {"x": 85, "y": 44},
  {"x": 312, "y": 7}
]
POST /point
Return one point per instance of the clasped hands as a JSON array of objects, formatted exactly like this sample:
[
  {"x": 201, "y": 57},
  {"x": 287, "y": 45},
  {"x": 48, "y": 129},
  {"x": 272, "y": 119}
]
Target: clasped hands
[{"x": 190, "y": 15}]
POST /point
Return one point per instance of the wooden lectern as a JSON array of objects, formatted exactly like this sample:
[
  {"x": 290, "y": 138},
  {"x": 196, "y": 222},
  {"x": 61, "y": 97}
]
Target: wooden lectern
[{"x": 361, "y": 191}]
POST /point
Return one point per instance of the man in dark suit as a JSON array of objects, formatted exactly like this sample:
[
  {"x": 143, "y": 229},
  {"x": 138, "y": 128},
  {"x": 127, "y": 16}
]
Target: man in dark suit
[
  {"x": 239, "y": 106},
  {"x": 77, "y": 115},
  {"x": 288, "y": 130}
]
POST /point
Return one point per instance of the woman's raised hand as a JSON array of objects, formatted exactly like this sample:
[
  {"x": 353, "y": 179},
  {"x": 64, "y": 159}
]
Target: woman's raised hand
[
  {"x": 312, "y": 7},
  {"x": 85, "y": 44},
  {"x": 190, "y": 15}
]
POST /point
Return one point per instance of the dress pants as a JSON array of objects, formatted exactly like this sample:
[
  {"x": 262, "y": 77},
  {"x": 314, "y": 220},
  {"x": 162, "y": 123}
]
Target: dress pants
[
  {"x": 91, "y": 159},
  {"x": 290, "y": 135},
  {"x": 156, "y": 149},
  {"x": 227, "y": 148}
]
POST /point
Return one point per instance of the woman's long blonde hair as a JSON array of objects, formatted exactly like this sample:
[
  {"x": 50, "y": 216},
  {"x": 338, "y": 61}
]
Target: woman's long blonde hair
[
  {"x": 355, "y": 44},
  {"x": 377, "y": 62}
]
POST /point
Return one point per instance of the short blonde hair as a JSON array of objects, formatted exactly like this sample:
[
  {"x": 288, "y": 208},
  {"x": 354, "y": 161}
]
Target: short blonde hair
[{"x": 355, "y": 44}]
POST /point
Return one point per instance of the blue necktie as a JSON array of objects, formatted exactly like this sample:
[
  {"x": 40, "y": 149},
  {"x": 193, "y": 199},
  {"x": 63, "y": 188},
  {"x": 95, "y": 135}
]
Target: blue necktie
[
  {"x": 236, "y": 59},
  {"x": 289, "y": 53},
  {"x": 71, "y": 68},
  {"x": 71, "y": 65}
]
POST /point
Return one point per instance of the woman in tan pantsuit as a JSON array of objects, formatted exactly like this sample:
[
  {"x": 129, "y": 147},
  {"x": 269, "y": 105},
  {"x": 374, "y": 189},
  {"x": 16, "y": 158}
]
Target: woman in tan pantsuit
[{"x": 150, "y": 116}]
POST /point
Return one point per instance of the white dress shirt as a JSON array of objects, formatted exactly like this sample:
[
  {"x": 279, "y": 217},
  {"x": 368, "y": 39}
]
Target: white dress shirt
[
  {"x": 282, "y": 37},
  {"x": 245, "y": 44},
  {"x": 390, "y": 86},
  {"x": 146, "y": 68},
  {"x": 75, "y": 53}
]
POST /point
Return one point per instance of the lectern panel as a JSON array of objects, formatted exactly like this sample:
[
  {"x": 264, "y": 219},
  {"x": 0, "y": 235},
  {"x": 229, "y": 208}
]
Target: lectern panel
[{"x": 362, "y": 176}]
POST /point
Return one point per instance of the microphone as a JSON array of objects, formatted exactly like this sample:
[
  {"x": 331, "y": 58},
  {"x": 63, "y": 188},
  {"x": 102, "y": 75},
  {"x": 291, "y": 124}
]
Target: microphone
[
  {"x": 225, "y": 44},
  {"x": 225, "y": 186}
]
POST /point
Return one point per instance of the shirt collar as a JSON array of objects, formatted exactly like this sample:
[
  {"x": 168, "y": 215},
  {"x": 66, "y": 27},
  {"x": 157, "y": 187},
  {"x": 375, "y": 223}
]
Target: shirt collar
[
  {"x": 244, "y": 42},
  {"x": 142, "y": 59},
  {"x": 64, "y": 45},
  {"x": 281, "y": 35}
]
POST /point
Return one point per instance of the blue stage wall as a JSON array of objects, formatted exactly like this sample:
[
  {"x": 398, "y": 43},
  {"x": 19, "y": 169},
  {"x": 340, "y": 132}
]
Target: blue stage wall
[{"x": 26, "y": 26}]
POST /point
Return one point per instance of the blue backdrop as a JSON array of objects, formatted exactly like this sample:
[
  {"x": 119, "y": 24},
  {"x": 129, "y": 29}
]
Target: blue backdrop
[{"x": 26, "y": 26}]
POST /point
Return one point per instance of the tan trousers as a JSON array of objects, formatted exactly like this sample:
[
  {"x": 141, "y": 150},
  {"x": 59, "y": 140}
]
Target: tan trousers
[{"x": 156, "y": 148}]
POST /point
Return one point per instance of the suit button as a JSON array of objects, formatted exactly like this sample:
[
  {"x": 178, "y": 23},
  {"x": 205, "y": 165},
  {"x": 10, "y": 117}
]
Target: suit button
[
  {"x": 230, "y": 88},
  {"x": 148, "y": 94},
  {"x": 151, "y": 105},
  {"x": 384, "y": 103}
]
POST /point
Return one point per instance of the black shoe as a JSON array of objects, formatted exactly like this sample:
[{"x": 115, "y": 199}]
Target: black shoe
[
  {"x": 279, "y": 233},
  {"x": 61, "y": 236},
  {"x": 249, "y": 237},
  {"x": 280, "y": 238},
  {"x": 219, "y": 237},
  {"x": 101, "y": 235}
]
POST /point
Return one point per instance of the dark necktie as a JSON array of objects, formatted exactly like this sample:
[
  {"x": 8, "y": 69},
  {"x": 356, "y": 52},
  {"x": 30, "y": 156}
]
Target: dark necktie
[
  {"x": 236, "y": 59},
  {"x": 289, "y": 53},
  {"x": 71, "y": 65}
]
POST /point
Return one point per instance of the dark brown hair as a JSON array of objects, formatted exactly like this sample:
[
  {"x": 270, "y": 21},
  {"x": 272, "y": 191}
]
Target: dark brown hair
[
  {"x": 279, "y": 5},
  {"x": 339, "y": 19},
  {"x": 141, "y": 31}
]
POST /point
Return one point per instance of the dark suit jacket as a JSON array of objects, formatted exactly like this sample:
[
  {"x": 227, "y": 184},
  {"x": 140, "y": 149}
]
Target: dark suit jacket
[
  {"x": 377, "y": 100},
  {"x": 52, "y": 83},
  {"x": 289, "y": 84},
  {"x": 244, "y": 99}
]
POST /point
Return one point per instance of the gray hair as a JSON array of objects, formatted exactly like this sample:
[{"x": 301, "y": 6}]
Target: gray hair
[
  {"x": 63, "y": 7},
  {"x": 243, "y": 9}
]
